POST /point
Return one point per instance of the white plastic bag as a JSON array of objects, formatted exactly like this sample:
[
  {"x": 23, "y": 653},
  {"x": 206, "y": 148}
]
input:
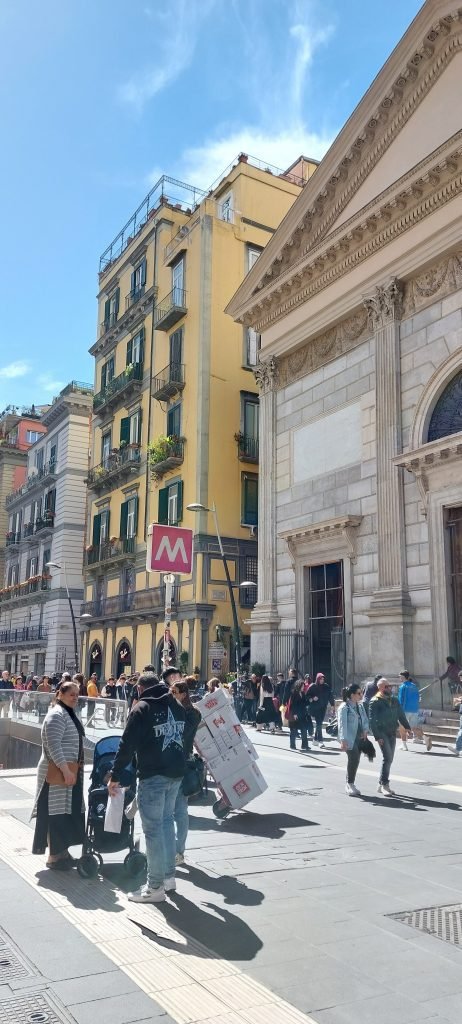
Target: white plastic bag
[{"x": 114, "y": 812}]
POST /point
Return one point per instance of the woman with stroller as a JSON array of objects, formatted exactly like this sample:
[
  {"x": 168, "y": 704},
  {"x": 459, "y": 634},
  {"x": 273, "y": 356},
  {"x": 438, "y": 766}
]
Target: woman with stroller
[
  {"x": 59, "y": 807},
  {"x": 180, "y": 690},
  {"x": 266, "y": 712},
  {"x": 297, "y": 714},
  {"x": 353, "y": 724}
]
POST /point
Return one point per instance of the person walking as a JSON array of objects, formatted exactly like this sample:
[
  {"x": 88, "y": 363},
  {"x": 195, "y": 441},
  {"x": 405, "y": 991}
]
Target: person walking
[
  {"x": 59, "y": 807},
  {"x": 154, "y": 733},
  {"x": 249, "y": 701},
  {"x": 180, "y": 690},
  {"x": 352, "y": 728},
  {"x": 111, "y": 692},
  {"x": 370, "y": 691},
  {"x": 452, "y": 675},
  {"x": 266, "y": 711},
  {"x": 409, "y": 698},
  {"x": 6, "y": 690},
  {"x": 297, "y": 711},
  {"x": 385, "y": 713},
  {"x": 457, "y": 748},
  {"x": 289, "y": 685},
  {"x": 320, "y": 697}
]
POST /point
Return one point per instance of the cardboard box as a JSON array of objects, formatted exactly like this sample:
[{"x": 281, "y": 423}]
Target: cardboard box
[
  {"x": 223, "y": 721},
  {"x": 212, "y": 702},
  {"x": 235, "y": 759},
  {"x": 205, "y": 743},
  {"x": 243, "y": 786}
]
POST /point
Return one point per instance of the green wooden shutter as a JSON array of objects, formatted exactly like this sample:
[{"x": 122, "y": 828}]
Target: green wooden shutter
[
  {"x": 129, "y": 352},
  {"x": 162, "y": 511},
  {"x": 117, "y": 301},
  {"x": 180, "y": 501},
  {"x": 123, "y": 519},
  {"x": 125, "y": 429},
  {"x": 96, "y": 529},
  {"x": 141, "y": 344},
  {"x": 28, "y": 565},
  {"x": 110, "y": 369},
  {"x": 176, "y": 340},
  {"x": 132, "y": 283},
  {"x": 103, "y": 377},
  {"x": 250, "y": 501},
  {"x": 143, "y": 273},
  {"x": 107, "y": 310},
  {"x": 140, "y": 420},
  {"x": 135, "y": 518}
]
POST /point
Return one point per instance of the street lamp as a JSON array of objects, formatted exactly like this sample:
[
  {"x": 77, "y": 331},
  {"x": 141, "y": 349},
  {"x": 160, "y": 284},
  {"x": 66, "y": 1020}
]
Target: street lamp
[
  {"x": 196, "y": 506},
  {"x": 56, "y": 565}
]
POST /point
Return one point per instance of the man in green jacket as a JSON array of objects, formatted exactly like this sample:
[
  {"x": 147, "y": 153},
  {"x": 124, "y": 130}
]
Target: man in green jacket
[{"x": 385, "y": 712}]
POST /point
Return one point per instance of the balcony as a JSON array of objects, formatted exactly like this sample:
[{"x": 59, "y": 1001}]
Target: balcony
[
  {"x": 107, "y": 323},
  {"x": 18, "y": 592},
  {"x": 35, "y": 635},
  {"x": 133, "y": 297},
  {"x": 28, "y": 531},
  {"x": 140, "y": 601},
  {"x": 169, "y": 382},
  {"x": 12, "y": 539},
  {"x": 128, "y": 381},
  {"x": 170, "y": 310},
  {"x": 165, "y": 453},
  {"x": 117, "y": 550},
  {"x": 44, "y": 524},
  {"x": 122, "y": 462},
  {"x": 247, "y": 447},
  {"x": 43, "y": 476}
]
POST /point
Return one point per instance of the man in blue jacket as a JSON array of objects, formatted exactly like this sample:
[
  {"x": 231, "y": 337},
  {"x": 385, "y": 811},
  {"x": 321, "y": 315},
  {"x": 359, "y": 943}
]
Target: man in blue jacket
[
  {"x": 409, "y": 698},
  {"x": 154, "y": 733}
]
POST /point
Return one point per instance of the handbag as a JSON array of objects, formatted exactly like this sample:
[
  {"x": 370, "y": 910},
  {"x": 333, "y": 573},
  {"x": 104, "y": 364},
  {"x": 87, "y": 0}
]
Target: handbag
[
  {"x": 55, "y": 776},
  {"x": 193, "y": 779},
  {"x": 261, "y": 716}
]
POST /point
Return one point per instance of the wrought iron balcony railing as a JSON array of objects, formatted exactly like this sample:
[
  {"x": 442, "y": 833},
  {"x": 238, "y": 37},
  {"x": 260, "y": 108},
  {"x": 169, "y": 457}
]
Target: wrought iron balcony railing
[
  {"x": 169, "y": 382},
  {"x": 130, "y": 379},
  {"x": 134, "y": 296},
  {"x": 169, "y": 310},
  {"x": 20, "y": 591},
  {"x": 108, "y": 322},
  {"x": 40, "y": 477},
  {"x": 111, "y": 551},
  {"x": 12, "y": 539},
  {"x": 23, "y": 635},
  {"x": 166, "y": 455},
  {"x": 247, "y": 447},
  {"x": 45, "y": 522},
  {"x": 151, "y": 600},
  {"x": 121, "y": 462}
]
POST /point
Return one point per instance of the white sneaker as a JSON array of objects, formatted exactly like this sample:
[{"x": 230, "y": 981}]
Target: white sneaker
[
  {"x": 454, "y": 750},
  {"x": 169, "y": 884},
  {"x": 351, "y": 790},
  {"x": 148, "y": 895},
  {"x": 323, "y": 745},
  {"x": 386, "y": 791},
  {"x": 179, "y": 859},
  {"x": 404, "y": 746}
]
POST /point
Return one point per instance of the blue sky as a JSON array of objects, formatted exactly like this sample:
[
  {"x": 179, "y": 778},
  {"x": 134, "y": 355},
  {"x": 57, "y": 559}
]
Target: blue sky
[{"x": 100, "y": 96}]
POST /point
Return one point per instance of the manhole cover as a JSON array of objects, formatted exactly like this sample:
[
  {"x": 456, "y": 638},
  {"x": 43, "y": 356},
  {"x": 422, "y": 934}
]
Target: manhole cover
[
  {"x": 443, "y": 922},
  {"x": 12, "y": 965},
  {"x": 39, "y": 1008}
]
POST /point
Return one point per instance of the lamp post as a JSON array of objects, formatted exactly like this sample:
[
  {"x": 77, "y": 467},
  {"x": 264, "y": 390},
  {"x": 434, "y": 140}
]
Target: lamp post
[
  {"x": 55, "y": 565},
  {"x": 198, "y": 507}
]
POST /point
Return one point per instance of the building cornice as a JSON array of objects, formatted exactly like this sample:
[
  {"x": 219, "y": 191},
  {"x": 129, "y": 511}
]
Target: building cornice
[{"x": 343, "y": 526}]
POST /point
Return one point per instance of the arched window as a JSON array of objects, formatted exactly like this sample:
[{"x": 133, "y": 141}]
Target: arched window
[
  {"x": 95, "y": 659},
  {"x": 172, "y": 653},
  {"x": 446, "y": 417},
  {"x": 123, "y": 658}
]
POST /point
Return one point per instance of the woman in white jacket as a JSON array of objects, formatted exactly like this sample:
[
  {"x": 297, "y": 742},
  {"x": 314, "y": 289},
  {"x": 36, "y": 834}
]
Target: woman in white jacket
[{"x": 352, "y": 727}]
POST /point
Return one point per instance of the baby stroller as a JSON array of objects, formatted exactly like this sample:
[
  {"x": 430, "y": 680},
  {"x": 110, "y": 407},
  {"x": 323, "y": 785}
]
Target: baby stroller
[{"x": 97, "y": 841}]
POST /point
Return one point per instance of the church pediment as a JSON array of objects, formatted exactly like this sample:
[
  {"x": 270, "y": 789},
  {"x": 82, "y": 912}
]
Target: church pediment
[{"x": 404, "y": 119}]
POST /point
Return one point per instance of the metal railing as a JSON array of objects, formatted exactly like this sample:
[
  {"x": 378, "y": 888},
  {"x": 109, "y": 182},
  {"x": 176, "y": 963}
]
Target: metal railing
[
  {"x": 290, "y": 649},
  {"x": 22, "y": 590},
  {"x": 77, "y": 385},
  {"x": 108, "y": 322},
  {"x": 169, "y": 380},
  {"x": 119, "y": 461},
  {"x": 172, "y": 456},
  {"x": 47, "y": 470},
  {"x": 45, "y": 522},
  {"x": 137, "y": 601},
  {"x": 25, "y": 634},
  {"x": 134, "y": 295},
  {"x": 248, "y": 448},
  {"x": 109, "y": 550},
  {"x": 97, "y": 714},
  {"x": 118, "y": 385},
  {"x": 12, "y": 539},
  {"x": 174, "y": 304}
]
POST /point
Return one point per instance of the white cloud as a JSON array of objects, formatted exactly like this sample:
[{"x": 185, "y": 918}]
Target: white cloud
[
  {"x": 308, "y": 41},
  {"x": 177, "y": 29},
  {"x": 17, "y": 369},
  {"x": 49, "y": 384}
]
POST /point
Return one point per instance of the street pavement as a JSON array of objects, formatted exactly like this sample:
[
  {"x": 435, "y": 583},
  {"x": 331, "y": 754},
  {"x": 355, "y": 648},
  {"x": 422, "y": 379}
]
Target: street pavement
[{"x": 284, "y": 913}]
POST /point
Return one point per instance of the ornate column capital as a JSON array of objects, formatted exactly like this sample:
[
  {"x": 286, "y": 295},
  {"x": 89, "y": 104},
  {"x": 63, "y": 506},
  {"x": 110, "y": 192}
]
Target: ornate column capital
[
  {"x": 385, "y": 305},
  {"x": 266, "y": 375}
]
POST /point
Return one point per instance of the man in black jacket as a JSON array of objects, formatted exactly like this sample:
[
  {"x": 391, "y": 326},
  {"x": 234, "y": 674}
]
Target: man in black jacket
[{"x": 154, "y": 733}]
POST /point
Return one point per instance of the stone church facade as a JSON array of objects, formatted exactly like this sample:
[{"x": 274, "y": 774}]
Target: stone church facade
[{"x": 358, "y": 298}]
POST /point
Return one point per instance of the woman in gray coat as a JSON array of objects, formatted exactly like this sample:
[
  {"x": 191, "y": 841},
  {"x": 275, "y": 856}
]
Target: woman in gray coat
[{"x": 59, "y": 809}]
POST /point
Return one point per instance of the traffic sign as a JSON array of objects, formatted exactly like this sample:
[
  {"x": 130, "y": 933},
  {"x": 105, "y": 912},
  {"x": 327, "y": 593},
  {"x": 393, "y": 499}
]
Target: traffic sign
[{"x": 169, "y": 549}]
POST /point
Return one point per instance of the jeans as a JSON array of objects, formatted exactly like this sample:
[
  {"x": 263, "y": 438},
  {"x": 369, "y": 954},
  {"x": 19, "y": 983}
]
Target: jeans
[
  {"x": 250, "y": 710},
  {"x": 353, "y": 756},
  {"x": 181, "y": 821},
  {"x": 388, "y": 752},
  {"x": 318, "y": 730},
  {"x": 156, "y": 801},
  {"x": 303, "y": 733},
  {"x": 458, "y": 743}
]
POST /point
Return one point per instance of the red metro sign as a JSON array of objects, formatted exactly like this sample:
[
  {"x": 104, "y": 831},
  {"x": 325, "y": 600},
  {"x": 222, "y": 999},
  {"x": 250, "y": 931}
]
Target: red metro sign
[{"x": 169, "y": 549}]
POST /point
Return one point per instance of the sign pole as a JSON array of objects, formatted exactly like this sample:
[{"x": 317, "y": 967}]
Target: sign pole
[{"x": 169, "y": 581}]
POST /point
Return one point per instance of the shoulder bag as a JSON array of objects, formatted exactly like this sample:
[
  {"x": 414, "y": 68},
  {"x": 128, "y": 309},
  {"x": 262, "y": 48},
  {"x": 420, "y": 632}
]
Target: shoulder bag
[{"x": 55, "y": 776}]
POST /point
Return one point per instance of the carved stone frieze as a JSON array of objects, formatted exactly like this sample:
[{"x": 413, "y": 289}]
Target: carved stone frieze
[
  {"x": 333, "y": 343},
  {"x": 385, "y": 304},
  {"x": 440, "y": 279},
  {"x": 266, "y": 375}
]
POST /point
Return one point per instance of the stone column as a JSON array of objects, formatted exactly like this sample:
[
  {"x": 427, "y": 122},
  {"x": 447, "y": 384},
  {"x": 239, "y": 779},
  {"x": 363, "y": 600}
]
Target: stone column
[
  {"x": 391, "y": 610},
  {"x": 191, "y": 624},
  {"x": 204, "y": 662},
  {"x": 264, "y": 618}
]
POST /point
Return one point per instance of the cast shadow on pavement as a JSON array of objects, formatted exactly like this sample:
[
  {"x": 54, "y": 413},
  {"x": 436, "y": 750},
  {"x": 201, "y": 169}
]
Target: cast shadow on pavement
[
  {"x": 223, "y": 933},
  {"x": 234, "y": 891},
  {"x": 410, "y": 803},
  {"x": 249, "y": 823},
  {"x": 77, "y": 894}
]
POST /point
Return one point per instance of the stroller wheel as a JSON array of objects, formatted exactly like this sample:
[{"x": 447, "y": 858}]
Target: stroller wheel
[
  {"x": 135, "y": 863},
  {"x": 220, "y": 809},
  {"x": 88, "y": 865}
]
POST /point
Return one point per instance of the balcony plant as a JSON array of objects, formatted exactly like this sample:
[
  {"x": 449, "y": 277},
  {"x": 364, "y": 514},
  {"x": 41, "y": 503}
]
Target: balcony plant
[{"x": 162, "y": 448}]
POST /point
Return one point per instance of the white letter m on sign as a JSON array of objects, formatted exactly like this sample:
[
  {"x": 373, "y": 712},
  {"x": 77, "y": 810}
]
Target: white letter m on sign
[{"x": 172, "y": 553}]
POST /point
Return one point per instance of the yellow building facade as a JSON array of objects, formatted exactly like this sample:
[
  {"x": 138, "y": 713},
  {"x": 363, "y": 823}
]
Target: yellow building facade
[{"x": 176, "y": 419}]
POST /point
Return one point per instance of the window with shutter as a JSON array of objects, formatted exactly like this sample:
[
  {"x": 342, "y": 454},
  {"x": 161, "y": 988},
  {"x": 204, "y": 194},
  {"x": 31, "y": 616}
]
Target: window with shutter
[
  {"x": 105, "y": 448},
  {"x": 117, "y": 302},
  {"x": 125, "y": 430},
  {"x": 107, "y": 311},
  {"x": 104, "y": 526},
  {"x": 132, "y": 517},
  {"x": 123, "y": 519},
  {"x": 249, "y": 509},
  {"x": 162, "y": 508},
  {"x": 129, "y": 358},
  {"x": 176, "y": 350},
  {"x": 33, "y": 565},
  {"x": 135, "y": 427},
  {"x": 138, "y": 347},
  {"x": 103, "y": 377},
  {"x": 96, "y": 530},
  {"x": 28, "y": 565},
  {"x": 174, "y": 421},
  {"x": 46, "y": 558}
]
